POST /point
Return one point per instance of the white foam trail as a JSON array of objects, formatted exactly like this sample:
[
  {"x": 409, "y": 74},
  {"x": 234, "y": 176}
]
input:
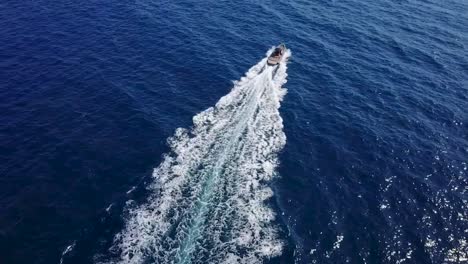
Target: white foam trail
[{"x": 207, "y": 201}]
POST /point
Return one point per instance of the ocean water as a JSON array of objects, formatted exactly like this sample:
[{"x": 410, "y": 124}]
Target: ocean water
[{"x": 153, "y": 132}]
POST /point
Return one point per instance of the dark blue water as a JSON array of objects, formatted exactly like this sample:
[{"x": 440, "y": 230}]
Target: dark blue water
[{"x": 374, "y": 166}]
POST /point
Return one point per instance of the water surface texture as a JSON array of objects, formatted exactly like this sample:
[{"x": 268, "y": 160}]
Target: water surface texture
[{"x": 123, "y": 138}]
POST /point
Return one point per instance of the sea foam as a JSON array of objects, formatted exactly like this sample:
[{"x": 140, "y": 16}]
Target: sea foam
[{"x": 207, "y": 201}]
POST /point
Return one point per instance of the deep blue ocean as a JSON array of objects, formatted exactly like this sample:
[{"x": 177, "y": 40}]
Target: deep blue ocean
[{"x": 116, "y": 147}]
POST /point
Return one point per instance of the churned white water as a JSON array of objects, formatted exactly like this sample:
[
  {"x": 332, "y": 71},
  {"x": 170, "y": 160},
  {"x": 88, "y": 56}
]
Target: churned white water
[{"x": 207, "y": 202}]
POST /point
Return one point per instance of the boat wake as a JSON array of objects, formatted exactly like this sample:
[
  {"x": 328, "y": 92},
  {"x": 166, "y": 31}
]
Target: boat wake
[{"x": 207, "y": 201}]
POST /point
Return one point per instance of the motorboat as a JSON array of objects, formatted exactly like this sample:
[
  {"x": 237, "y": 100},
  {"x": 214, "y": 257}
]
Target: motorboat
[{"x": 276, "y": 56}]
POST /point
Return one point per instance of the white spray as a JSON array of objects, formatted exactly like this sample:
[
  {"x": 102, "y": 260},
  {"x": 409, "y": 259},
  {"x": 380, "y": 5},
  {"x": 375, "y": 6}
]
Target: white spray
[{"x": 207, "y": 201}]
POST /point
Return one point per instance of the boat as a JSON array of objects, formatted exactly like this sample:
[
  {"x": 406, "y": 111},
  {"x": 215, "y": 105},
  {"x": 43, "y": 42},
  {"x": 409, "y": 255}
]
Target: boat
[{"x": 276, "y": 56}]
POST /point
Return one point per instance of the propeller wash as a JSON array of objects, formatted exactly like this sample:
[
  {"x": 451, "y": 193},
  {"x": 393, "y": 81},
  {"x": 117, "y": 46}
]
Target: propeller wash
[{"x": 207, "y": 199}]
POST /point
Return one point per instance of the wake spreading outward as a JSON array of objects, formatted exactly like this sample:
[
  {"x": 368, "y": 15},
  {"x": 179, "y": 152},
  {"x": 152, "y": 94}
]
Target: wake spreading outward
[{"x": 207, "y": 200}]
